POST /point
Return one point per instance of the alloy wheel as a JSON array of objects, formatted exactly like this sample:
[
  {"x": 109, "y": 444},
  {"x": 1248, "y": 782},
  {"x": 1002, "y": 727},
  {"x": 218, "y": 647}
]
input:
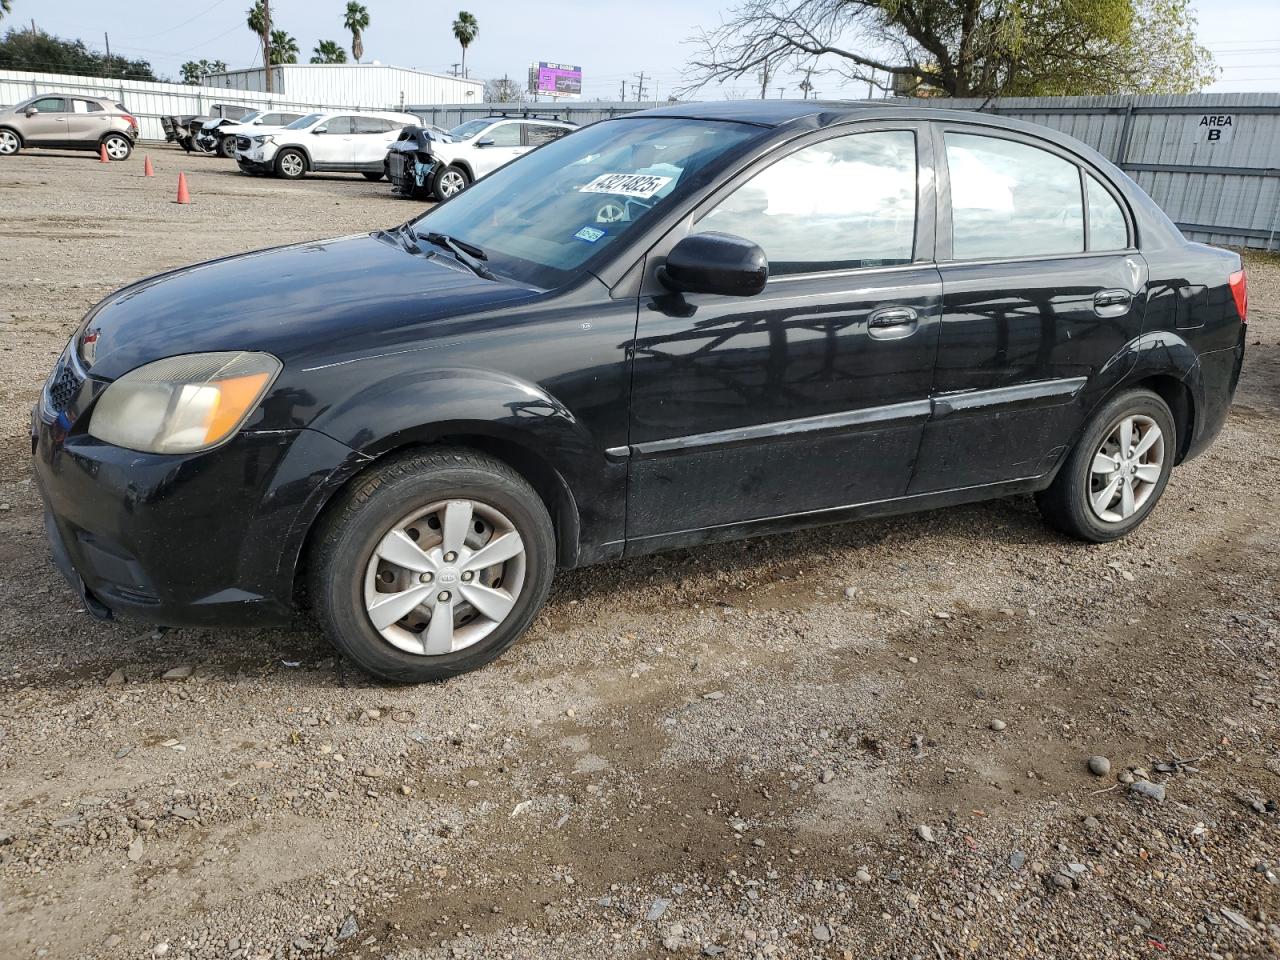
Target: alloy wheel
[
  {"x": 1126, "y": 469},
  {"x": 444, "y": 577},
  {"x": 8, "y": 142},
  {"x": 450, "y": 183},
  {"x": 117, "y": 148},
  {"x": 291, "y": 164}
]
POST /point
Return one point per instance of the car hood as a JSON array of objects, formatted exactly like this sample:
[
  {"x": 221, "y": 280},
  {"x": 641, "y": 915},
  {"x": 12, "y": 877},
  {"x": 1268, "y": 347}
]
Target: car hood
[{"x": 310, "y": 303}]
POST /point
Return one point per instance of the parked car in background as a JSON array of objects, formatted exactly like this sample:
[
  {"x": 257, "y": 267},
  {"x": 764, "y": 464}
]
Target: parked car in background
[
  {"x": 218, "y": 135},
  {"x": 68, "y": 122},
  {"x": 336, "y": 141},
  {"x": 421, "y": 164},
  {"x": 680, "y": 326}
]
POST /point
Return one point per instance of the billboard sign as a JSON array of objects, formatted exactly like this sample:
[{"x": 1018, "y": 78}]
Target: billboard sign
[{"x": 555, "y": 80}]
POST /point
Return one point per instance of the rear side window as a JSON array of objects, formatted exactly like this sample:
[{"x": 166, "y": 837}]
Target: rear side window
[
  {"x": 1107, "y": 228},
  {"x": 536, "y": 134},
  {"x": 1009, "y": 199},
  {"x": 372, "y": 125},
  {"x": 843, "y": 203},
  {"x": 86, "y": 106}
]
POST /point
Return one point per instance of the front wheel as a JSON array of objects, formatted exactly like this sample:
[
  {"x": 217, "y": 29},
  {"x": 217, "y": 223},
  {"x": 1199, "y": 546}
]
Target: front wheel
[
  {"x": 10, "y": 143},
  {"x": 290, "y": 164},
  {"x": 1117, "y": 472},
  {"x": 432, "y": 565},
  {"x": 373, "y": 176},
  {"x": 118, "y": 147},
  {"x": 448, "y": 181},
  {"x": 227, "y": 147}
]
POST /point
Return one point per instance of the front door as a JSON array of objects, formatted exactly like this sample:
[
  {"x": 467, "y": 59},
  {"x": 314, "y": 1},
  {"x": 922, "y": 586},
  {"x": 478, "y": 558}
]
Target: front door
[
  {"x": 812, "y": 395},
  {"x": 1041, "y": 290},
  {"x": 48, "y": 126},
  {"x": 500, "y": 144},
  {"x": 334, "y": 148}
]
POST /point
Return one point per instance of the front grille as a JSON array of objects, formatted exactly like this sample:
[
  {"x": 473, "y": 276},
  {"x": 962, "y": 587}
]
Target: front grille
[
  {"x": 242, "y": 143},
  {"x": 63, "y": 385}
]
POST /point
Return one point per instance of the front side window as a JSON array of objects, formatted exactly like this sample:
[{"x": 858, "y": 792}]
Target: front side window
[
  {"x": 1009, "y": 199},
  {"x": 843, "y": 203},
  {"x": 339, "y": 125},
  {"x": 504, "y": 135},
  {"x": 51, "y": 105},
  {"x": 550, "y": 212},
  {"x": 1107, "y": 227}
]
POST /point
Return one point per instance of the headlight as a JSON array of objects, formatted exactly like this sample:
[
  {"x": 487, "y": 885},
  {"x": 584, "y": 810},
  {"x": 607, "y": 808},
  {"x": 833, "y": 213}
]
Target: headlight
[
  {"x": 183, "y": 404},
  {"x": 265, "y": 139}
]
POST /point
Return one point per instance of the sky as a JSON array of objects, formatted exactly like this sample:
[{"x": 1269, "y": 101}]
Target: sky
[{"x": 611, "y": 41}]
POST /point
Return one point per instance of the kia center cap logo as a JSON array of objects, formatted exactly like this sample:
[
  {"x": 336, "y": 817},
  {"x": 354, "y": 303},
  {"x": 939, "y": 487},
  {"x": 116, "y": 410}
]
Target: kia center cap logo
[{"x": 448, "y": 575}]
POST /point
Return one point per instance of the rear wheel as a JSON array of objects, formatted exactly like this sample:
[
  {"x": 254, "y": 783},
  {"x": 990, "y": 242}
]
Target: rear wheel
[
  {"x": 118, "y": 146},
  {"x": 448, "y": 181},
  {"x": 432, "y": 565},
  {"x": 291, "y": 164},
  {"x": 374, "y": 176},
  {"x": 10, "y": 143},
  {"x": 1117, "y": 472}
]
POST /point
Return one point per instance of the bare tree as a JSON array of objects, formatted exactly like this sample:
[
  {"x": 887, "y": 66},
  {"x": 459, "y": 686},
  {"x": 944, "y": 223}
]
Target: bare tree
[{"x": 503, "y": 90}]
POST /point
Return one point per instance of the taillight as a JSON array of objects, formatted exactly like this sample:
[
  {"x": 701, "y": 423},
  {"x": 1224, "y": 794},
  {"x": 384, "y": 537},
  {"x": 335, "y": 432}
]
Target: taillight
[
  {"x": 132, "y": 122},
  {"x": 1239, "y": 284}
]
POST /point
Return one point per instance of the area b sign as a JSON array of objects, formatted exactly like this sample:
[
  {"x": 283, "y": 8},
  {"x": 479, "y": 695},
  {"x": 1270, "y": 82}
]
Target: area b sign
[{"x": 1214, "y": 128}]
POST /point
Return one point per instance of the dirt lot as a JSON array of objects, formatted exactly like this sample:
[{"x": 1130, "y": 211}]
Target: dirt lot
[{"x": 869, "y": 740}]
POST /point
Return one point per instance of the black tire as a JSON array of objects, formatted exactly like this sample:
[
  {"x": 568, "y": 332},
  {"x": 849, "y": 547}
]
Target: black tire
[
  {"x": 300, "y": 167},
  {"x": 375, "y": 503},
  {"x": 1065, "y": 504},
  {"x": 452, "y": 169},
  {"x": 12, "y": 142},
  {"x": 117, "y": 141},
  {"x": 373, "y": 176},
  {"x": 227, "y": 148}
]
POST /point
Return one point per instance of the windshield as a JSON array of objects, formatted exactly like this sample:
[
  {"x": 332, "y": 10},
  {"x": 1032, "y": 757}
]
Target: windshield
[
  {"x": 542, "y": 219},
  {"x": 464, "y": 131},
  {"x": 303, "y": 122}
]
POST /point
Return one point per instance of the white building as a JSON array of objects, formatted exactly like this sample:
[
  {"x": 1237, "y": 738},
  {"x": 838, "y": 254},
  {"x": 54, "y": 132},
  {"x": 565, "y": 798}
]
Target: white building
[{"x": 371, "y": 85}]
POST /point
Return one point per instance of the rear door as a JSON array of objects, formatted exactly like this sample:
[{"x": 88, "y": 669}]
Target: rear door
[
  {"x": 1042, "y": 288},
  {"x": 48, "y": 126},
  {"x": 812, "y": 395},
  {"x": 87, "y": 121},
  {"x": 372, "y": 136}
]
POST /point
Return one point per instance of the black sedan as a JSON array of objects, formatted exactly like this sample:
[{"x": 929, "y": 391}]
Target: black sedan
[{"x": 675, "y": 327}]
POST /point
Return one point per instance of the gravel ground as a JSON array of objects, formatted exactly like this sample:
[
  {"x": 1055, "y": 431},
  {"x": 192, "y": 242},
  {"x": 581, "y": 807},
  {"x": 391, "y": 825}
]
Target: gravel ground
[{"x": 867, "y": 740}]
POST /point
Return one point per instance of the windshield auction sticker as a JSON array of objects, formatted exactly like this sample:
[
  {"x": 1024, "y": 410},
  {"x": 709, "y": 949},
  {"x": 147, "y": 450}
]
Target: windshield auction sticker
[{"x": 639, "y": 185}]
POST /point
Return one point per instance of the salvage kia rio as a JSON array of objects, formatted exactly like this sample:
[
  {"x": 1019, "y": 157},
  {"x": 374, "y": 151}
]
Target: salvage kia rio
[{"x": 676, "y": 327}]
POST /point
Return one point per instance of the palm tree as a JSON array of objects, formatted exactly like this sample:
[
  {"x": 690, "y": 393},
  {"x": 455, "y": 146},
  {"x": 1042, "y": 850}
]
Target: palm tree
[
  {"x": 261, "y": 26},
  {"x": 284, "y": 49},
  {"x": 328, "y": 51},
  {"x": 6, "y": 6},
  {"x": 465, "y": 29},
  {"x": 357, "y": 21}
]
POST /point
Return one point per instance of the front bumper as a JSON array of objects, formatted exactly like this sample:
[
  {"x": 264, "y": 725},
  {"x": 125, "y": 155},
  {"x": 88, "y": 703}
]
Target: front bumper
[
  {"x": 254, "y": 166},
  {"x": 409, "y": 173},
  {"x": 208, "y": 539}
]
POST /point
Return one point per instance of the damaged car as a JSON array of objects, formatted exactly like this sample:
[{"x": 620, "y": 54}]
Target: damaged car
[{"x": 422, "y": 163}]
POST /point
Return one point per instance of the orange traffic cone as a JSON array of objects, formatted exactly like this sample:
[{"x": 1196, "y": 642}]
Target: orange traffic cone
[
  {"x": 147, "y": 169},
  {"x": 102, "y": 154},
  {"x": 183, "y": 196}
]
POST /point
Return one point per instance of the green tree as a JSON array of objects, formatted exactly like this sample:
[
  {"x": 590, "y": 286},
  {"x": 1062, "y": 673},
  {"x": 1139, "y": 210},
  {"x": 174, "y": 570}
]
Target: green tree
[
  {"x": 357, "y": 21},
  {"x": 42, "y": 53},
  {"x": 6, "y": 7},
  {"x": 964, "y": 48},
  {"x": 284, "y": 49},
  {"x": 259, "y": 23},
  {"x": 328, "y": 51},
  {"x": 465, "y": 29},
  {"x": 194, "y": 72}
]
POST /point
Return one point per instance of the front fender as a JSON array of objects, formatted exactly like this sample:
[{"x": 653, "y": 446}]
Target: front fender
[{"x": 516, "y": 420}]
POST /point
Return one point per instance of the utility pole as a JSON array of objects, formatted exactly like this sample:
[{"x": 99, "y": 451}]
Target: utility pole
[
  {"x": 454, "y": 69},
  {"x": 764, "y": 82},
  {"x": 639, "y": 87},
  {"x": 108, "y": 42},
  {"x": 266, "y": 42},
  {"x": 780, "y": 90},
  {"x": 806, "y": 84}
]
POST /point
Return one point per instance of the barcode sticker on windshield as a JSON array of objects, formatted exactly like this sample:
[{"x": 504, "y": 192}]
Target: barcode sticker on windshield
[{"x": 640, "y": 185}]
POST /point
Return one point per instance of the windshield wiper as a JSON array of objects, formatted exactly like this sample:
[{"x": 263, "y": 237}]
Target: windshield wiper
[{"x": 468, "y": 254}]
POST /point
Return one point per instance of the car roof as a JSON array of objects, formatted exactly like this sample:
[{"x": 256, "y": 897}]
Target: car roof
[{"x": 821, "y": 113}]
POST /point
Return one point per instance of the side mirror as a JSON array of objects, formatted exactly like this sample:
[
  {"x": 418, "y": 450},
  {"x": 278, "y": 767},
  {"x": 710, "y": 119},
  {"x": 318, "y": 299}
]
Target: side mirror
[
  {"x": 486, "y": 142},
  {"x": 257, "y": 122},
  {"x": 715, "y": 263},
  {"x": 320, "y": 130},
  {"x": 31, "y": 111}
]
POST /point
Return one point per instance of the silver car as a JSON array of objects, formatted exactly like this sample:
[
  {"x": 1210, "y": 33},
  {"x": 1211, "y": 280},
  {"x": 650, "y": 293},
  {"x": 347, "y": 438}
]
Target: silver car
[{"x": 68, "y": 122}]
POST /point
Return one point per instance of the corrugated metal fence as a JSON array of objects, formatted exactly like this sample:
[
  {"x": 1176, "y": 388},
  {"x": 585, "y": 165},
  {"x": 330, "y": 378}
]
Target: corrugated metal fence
[
  {"x": 1221, "y": 187},
  {"x": 146, "y": 100}
]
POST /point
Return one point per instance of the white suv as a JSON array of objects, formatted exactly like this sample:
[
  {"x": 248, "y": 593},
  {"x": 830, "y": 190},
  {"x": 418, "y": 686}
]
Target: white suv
[
  {"x": 219, "y": 134},
  {"x": 479, "y": 147},
  {"x": 341, "y": 140}
]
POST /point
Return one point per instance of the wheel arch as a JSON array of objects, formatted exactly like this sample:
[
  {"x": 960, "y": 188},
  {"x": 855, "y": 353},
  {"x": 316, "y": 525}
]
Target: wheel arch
[
  {"x": 16, "y": 132},
  {"x": 306, "y": 154}
]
